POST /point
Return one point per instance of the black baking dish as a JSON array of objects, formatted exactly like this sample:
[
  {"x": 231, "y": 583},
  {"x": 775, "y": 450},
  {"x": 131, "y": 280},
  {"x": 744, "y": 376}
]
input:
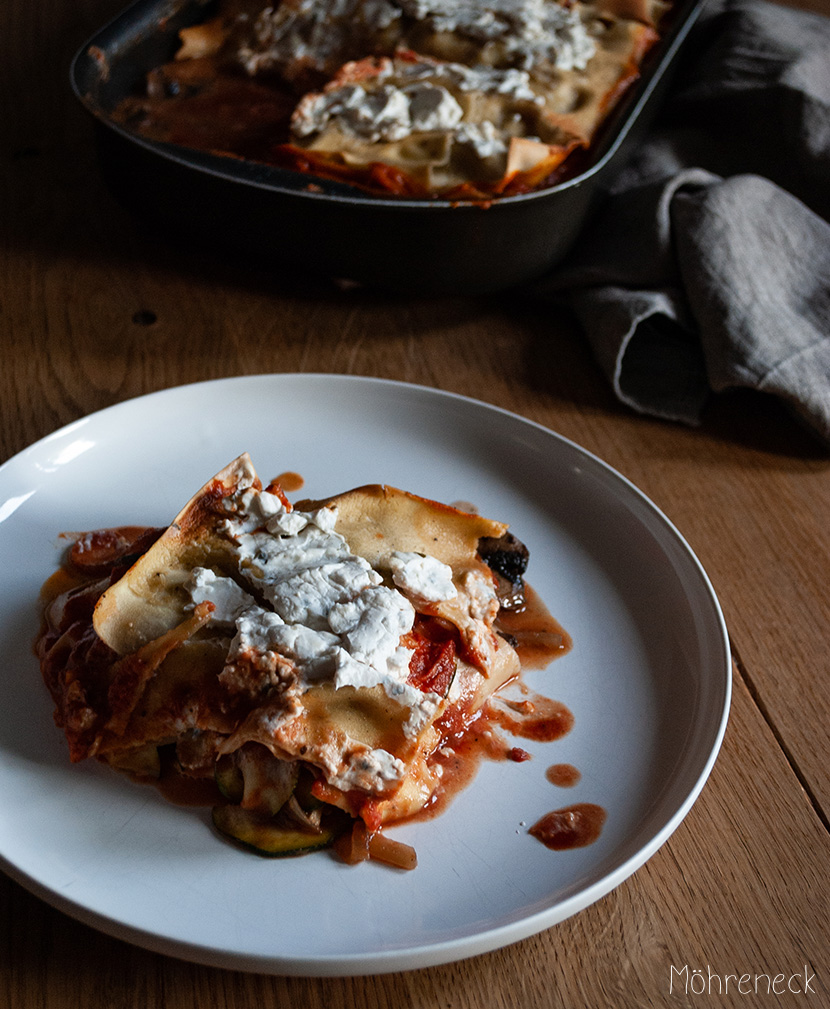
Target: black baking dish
[{"x": 417, "y": 246}]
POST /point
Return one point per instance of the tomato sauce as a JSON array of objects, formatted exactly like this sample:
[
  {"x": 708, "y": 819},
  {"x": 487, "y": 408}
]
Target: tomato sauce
[
  {"x": 289, "y": 481},
  {"x": 563, "y": 775},
  {"x": 533, "y": 632},
  {"x": 539, "y": 639},
  {"x": 572, "y": 827},
  {"x": 543, "y": 719}
]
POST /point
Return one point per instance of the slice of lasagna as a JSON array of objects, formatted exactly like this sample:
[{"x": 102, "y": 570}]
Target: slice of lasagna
[{"x": 312, "y": 659}]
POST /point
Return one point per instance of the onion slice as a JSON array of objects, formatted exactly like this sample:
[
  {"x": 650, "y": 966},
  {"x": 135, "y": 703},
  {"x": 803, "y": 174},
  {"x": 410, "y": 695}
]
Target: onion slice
[{"x": 395, "y": 853}]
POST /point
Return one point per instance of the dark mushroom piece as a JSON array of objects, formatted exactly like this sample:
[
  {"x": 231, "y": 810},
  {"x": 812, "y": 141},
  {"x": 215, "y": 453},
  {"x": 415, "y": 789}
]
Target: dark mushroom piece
[{"x": 507, "y": 558}]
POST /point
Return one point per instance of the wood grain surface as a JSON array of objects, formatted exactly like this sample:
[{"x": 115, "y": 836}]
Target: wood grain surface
[{"x": 94, "y": 310}]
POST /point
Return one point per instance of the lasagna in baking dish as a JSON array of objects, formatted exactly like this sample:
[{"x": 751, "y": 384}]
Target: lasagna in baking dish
[
  {"x": 464, "y": 99},
  {"x": 314, "y": 661}
]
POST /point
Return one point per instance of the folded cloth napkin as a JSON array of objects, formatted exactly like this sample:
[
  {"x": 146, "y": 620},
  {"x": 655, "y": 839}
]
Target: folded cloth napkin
[{"x": 707, "y": 264}]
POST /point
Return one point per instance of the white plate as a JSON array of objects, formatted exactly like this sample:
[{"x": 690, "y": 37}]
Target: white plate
[{"x": 648, "y": 682}]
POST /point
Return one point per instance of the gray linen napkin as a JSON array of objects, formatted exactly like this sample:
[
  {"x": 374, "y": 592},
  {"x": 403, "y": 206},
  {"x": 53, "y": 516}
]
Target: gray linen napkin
[{"x": 707, "y": 266}]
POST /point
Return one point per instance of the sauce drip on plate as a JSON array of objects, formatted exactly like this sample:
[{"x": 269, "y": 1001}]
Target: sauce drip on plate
[
  {"x": 541, "y": 718},
  {"x": 290, "y": 481},
  {"x": 563, "y": 775},
  {"x": 533, "y": 632},
  {"x": 572, "y": 827}
]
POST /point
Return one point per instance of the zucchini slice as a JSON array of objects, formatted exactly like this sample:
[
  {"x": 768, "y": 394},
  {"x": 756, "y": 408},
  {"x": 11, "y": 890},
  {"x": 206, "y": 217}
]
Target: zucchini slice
[
  {"x": 270, "y": 837},
  {"x": 228, "y": 778}
]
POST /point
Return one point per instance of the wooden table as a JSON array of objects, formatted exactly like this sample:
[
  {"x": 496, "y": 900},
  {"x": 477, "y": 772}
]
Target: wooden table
[{"x": 92, "y": 311}]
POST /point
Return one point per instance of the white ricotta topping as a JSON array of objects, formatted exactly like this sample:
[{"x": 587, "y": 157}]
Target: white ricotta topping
[
  {"x": 309, "y": 594},
  {"x": 483, "y": 138},
  {"x": 382, "y": 114},
  {"x": 484, "y": 600},
  {"x": 432, "y": 107},
  {"x": 369, "y": 770},
  {"x": 511, "y": 82},
  {"x": 312, "y": 32},
  {"x": 387, "y": 113},
  {"x": 529, "y": 30},
  {"x": 319, "y": 33},
  {"x": 286, "y": 523},
  {"x": 371, "y": 624},
  {"x": 229, "y": 599},
  {"x": 251, "y": 508},
  {"x": 424, "y": 578},
  {"x": 418, "y": 102},
  {"x": 331, "y": 615},
  {"x": 304, "y": 573},
  {"x": 261, "y": 631}
]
